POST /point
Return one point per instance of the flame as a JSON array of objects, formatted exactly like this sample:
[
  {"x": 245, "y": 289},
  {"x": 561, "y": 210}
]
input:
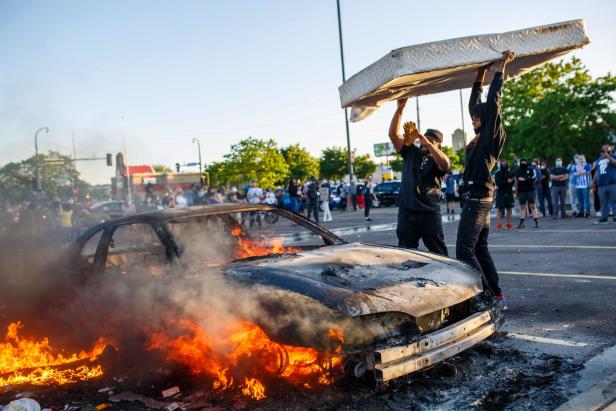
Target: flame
[
  {"x": 25, "y": 360},
  {"x": 243, "y": 352},
  {"x": 259, "y": 247}
]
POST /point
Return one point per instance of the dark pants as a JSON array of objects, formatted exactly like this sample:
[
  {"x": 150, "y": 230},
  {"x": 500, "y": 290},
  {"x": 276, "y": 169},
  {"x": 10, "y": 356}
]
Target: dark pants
[
  {"x": 543, "y": 195},
  {"x": 413, "y": 225},
  {"x": 354, "y": 201},
  {"x": 312, "y": 206},
  {"x": 367, "y": 205},
  {"x": 472, "y": 242},
  {"x": 559, "y": 196}
]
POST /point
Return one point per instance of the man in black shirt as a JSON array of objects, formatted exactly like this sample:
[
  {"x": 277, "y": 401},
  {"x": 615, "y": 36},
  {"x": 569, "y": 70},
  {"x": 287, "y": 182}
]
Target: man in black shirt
[
  {"x": 525, "y": 179},
  {"x": 419, "y": 213},
  {"x": 504, "y": 194},
  {"x": 481, "y": 156},
  {"x": 560, "y": 179}
]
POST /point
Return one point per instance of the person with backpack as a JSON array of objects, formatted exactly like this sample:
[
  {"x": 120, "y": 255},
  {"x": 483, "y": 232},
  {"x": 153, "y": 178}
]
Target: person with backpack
[{"x": 312, "y": 198}]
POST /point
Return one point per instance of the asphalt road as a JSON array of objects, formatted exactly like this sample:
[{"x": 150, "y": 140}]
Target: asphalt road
[{"x": 559, "y": 280}]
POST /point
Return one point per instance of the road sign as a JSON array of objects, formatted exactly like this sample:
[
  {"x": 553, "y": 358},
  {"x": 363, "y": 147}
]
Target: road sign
[{"x": 384, "y": 149}]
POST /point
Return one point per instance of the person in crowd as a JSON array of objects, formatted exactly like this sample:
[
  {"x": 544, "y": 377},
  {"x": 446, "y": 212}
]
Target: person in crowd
[
  {"x": 294, "y": 196},
  {"x": 581, "y": 171},
  {"x": 361, "y": 197},
  {"x": 220, "y": 195},
  {"x": 572, "y": 195},
  {"x": 66, "y": 221},
  {"x": 450, "y": 192},
  {"x": 180, "y": 200},
  {"x": 312, "y": 198},
  {"x": 605, "y": 181},
  {"x": 525, "y": 189},
  {"x": 424, "y": 166},
  {"x": 168, "y": 201},
  {"x": 254, "y": 194},
  {"x": 559, "y": 176},
  {"x": 481, "y": 156},
  {"x": 353, "y": 194},
  {"x": 369, "y": 197},
  {"x": 543, "y": 190},
  {"x": 324, "y": 191},
  {"x": 596, "y": 201},
  {"x": 270, "y": 197},
  {"x": 211, "y": 196},
  {"x": 504, "y": 180}
]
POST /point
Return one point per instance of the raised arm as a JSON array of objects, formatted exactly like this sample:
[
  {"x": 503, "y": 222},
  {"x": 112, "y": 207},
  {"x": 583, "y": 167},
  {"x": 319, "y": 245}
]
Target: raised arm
[
  {"x": 442, "y": 161},
  {"x": 397, "y": 139},
  {"x": 477, "y": 90},
  {"x": 493, "y": 103}
]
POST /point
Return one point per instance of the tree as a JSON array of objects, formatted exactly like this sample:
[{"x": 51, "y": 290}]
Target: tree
[
  {"x": 58, "y": 177},
  {"x": 301, "y": 164},
  {"x": 363, "y": 166},
  {"x": 333, "y": 163},
  {"x": 215, "y": 171},
  {"x": 397, "y": 163},
  {"x": 558, "y": 110},
  {"x": 456, "y": 162},
  {"x": 159, "y": 168},
  {"x": 254, "y": 159}
]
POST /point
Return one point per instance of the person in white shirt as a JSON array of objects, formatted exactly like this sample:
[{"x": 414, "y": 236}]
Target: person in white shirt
[
  {"x": 324, "y": 197},
  {"x": 180, "y": 200},
  {"x": 254, "y": 193},
  {"x": 370, "y": 197}
]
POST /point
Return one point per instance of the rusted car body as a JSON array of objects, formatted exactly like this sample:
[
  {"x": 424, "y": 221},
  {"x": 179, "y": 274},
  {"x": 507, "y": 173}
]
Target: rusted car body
[{"x": 401, "y": 310}]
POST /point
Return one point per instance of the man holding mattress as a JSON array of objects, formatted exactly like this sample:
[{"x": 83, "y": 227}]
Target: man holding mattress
[
  {"x": 481, "y": 156},
  {"x": 419, "y": 200}
]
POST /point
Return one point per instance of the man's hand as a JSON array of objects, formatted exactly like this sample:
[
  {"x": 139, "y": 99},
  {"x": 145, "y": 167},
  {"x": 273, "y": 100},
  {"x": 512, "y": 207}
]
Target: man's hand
[
  {"x": 481, "y": 73},
  {"x": 508, "y": 57},
  {"x": 401, "y": 103}
]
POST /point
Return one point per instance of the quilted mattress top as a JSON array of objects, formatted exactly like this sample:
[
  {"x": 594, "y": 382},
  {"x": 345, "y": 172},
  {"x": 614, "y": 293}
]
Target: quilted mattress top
[{"x": 452, "y": 64}]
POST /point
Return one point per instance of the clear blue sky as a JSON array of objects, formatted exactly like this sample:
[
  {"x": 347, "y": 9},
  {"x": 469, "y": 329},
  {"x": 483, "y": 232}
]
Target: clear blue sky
[{"x": 222, "y": 71}]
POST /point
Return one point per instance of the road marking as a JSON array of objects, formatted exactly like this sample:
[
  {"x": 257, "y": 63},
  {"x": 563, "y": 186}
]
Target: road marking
[
  {"x": 584, "y": 247},
  {"x": 545, "y": 340},
  {"x": 541, "y": 230},
  {"x": 596, "y": 277}
]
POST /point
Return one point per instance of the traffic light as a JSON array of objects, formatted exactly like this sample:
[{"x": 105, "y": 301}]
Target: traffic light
[
  {"x": 177, "y": 167},
  {"x": 109, "y": 162}
]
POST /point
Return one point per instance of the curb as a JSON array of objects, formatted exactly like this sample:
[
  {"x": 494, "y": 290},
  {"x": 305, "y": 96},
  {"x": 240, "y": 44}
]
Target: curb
[{"x": 601, "y": 396}]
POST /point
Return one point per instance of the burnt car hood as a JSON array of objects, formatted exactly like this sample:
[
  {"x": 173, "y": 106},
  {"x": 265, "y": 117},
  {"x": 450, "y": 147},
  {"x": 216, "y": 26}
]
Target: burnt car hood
[{"x": 360, "y": 279}]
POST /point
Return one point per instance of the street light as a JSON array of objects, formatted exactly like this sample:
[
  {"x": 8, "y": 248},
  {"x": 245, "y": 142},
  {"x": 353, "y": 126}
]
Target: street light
[
  {"x": 200, "y": 167},
  {"x": 346, "y": 116},
  {"x": 36, "y": 159}
]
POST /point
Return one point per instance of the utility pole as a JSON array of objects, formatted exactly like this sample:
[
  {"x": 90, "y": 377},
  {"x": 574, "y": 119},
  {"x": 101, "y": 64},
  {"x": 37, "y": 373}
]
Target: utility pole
[
  {"x": 462, "y": 115},
  {"x": 346, "y": 115},
  {"x": 74, "y": 158},
  {"x": 418, "y": 120},
  {"x": 200, "y": 166},
  {"x": 36, "y": 159},
  {"x": 129, "y": 196}
]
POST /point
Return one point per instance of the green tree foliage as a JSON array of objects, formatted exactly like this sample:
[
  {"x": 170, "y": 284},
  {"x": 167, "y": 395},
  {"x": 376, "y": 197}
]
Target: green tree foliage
[
  {"x": 363, "y": 166},
  {"x": 58, "y": 176},
  {"x": 558, "y": 110},
  {"x": 159, "y": 168},
  {"x": 456, "y": 162},
  {"x": 333, "y": 163},
  {"x": 216, "y": 174},
  {"x": 397, "y": 163},
  {"x": 254, "y": 159},
  {"x": 301, "y": 164}
]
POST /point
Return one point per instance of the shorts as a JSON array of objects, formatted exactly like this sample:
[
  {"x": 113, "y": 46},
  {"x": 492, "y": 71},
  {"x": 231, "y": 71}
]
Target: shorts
[
  {"x": 526, "y": 197},
  {"x": 504, "y": 201},
  {"x": 450, "y": 197}
]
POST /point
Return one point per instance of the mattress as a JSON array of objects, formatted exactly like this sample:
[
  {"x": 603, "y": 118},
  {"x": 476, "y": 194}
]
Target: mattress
[{"x": 452, "y": 64}]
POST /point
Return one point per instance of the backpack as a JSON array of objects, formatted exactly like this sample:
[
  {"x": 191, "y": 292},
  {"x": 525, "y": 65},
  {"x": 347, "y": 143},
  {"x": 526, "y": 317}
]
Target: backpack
[{"x": 312, "y": 190}]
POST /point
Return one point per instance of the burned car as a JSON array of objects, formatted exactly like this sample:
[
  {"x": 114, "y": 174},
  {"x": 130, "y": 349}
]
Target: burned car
[{"x": 399, "y": 310}]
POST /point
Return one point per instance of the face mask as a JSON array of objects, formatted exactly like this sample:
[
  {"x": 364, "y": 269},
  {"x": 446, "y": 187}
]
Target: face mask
[
  {"x": 416, "y": 143},
  {"x": 504, "y": 166},
  {"x": 523, "y": 165},
  {"x": 559, "y": 163}
]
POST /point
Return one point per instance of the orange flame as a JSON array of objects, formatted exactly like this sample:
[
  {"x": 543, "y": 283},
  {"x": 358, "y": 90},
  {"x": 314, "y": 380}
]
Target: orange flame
[
  {"x": 244, "y": 352},
  {"x": 25, "y": 360},
  {"x": 259, "y": 247}
]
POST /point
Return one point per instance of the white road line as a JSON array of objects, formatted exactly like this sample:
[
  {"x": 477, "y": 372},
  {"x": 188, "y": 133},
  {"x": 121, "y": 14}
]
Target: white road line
[
  {"x": 596, "y": 277},
  {"x": 545, "y": 340},
  {"x": 541, "y": 230},
  {"x": 583, "y": 247}
]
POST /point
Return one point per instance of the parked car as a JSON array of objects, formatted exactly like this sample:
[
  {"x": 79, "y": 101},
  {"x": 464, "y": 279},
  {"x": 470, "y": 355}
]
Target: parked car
[
  {"x": 400, "y": 310},
  {"x": 387, "y": 192}
]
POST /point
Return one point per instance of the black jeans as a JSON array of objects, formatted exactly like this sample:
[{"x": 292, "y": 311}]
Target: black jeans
[
  {"x": 367, "y": 205},
  {"x": 413, "y": 225},
  {"x": 312, "y": 206},
  {"x": 472, "y": 242}
]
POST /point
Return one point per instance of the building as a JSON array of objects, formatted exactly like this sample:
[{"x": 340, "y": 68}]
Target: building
[{"x": 458, "y": 139}]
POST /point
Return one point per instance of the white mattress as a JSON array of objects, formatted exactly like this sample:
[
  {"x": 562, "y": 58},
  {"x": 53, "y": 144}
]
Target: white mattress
[{"x": 452, "y": 64}]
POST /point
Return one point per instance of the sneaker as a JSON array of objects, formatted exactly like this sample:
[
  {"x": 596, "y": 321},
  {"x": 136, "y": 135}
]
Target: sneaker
[
  {"x": 502, "y": 302},
  {"x": 601, "y": 221},
  {"x": 368, "y": 219},
  {"x": 579, "y": 215},
  {"x": 586, "y": 215},
  {"x": 499, "y": 227},
  {"x": 509, "y": 226}
]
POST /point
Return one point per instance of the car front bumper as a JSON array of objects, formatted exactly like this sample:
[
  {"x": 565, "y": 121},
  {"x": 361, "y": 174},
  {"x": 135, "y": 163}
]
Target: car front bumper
[{"x": 394, "y": 362}]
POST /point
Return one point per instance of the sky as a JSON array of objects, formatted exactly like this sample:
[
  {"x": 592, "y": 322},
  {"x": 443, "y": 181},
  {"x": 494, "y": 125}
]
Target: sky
[{"x": 160, "y": 72}]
